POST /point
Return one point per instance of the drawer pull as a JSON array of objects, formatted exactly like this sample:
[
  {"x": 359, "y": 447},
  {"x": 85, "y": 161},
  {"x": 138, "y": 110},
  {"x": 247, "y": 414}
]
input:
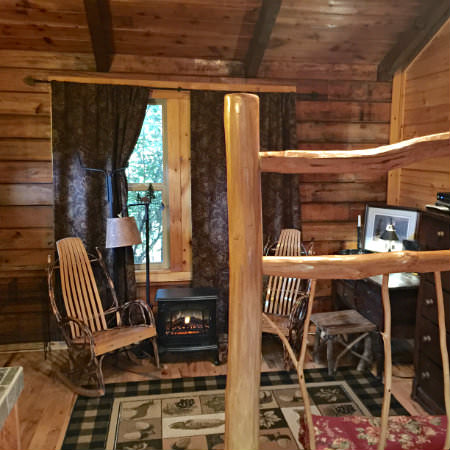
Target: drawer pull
[
  {"x": 425, "y": 375},
  {"x": 426, "y": 338},
  {"x": 440, "y": 234},
  {"x": 429, "y": 301}
]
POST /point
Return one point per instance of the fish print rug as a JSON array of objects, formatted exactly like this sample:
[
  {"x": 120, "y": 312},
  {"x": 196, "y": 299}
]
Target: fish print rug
[{"x": 188, "y": 414}]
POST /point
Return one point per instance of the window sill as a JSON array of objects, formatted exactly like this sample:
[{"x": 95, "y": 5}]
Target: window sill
[{"x": 162, "y": 276}]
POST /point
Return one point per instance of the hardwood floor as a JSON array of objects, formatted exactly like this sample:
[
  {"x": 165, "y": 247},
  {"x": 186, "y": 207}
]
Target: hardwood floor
[{"x": 45, "y": 404}]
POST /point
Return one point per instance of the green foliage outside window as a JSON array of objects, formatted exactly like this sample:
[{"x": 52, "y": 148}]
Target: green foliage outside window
[
  {"x": 146, "y": 162},
  {"x": 146, "y": 165}
]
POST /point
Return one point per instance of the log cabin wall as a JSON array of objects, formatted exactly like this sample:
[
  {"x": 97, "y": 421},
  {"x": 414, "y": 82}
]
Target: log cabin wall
[
  {"x": 338, "y": 106},
  {"x": 346, "y": 111},
  {"x": 422, "y": 98}
]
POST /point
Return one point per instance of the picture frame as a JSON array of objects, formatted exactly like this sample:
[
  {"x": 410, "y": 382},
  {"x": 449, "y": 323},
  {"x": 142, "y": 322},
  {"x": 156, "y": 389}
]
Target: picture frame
[{"x": 404, "y": 222}]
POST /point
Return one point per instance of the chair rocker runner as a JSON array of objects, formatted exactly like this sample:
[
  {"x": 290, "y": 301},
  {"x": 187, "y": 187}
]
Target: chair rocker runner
[{"x": 90, "y": 331}]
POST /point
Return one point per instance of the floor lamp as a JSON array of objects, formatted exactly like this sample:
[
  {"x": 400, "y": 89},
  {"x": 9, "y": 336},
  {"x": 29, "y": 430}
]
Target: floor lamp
[
  {"x": 146, "y": 204},
  {"x": 122, "y": 232}
]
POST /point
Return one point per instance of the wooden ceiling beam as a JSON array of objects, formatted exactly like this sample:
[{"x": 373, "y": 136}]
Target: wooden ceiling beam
[
  {"x": 98, "y": 14},
  {"x": 412, "y": 41},
  {"x": 261, "y": 36}
]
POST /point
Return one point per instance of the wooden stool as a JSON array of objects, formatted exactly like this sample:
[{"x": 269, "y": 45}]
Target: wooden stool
[{"x": 332, "y": 326}]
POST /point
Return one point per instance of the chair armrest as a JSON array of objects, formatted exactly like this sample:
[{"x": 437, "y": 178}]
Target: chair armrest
[
  {"x": 66, "y": 327},
  {"x": 137, "y": 312}
]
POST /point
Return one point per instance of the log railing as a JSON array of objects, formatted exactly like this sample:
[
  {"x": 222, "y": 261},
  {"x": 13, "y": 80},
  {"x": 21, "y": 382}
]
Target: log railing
[{"x": 244, "y": 166}]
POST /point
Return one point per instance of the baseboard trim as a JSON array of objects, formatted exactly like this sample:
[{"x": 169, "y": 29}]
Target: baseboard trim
[{"x": 32, "y": 346}]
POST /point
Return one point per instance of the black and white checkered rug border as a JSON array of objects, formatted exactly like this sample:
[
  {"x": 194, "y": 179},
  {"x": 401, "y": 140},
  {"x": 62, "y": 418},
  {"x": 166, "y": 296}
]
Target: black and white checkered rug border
[{"x": 89, "y": 422}]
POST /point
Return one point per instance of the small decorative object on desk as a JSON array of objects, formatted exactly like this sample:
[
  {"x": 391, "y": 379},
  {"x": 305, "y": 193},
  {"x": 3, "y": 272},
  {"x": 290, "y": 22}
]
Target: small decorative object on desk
[
  {"x": 358, "y": 233},
  {"x": 386, "y": 227}
]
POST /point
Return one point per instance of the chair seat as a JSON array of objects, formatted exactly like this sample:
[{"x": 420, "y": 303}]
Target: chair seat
[
  {"x": 109, "y": 340},
  {"x": 361, "y": 433},
  {"x": 282, "y": 322}
]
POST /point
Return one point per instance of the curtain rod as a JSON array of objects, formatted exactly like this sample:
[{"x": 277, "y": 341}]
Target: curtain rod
[
  {"x": 237, "y": 86},
  {"x": 31, "y": 81}
]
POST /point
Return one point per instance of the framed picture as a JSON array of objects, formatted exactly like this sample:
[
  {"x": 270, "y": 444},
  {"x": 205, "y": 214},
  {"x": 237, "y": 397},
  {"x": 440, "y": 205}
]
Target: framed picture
[{"x": 385, "y": 227}]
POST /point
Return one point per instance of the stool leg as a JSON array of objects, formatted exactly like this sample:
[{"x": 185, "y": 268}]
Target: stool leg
[
  {"x": 367, "y": 354},
  {"x": 330, "y": 355},
  {"x": 316, "y": 346}
]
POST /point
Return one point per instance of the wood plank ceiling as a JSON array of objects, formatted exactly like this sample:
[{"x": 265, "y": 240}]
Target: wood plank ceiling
[{"x": 306, "y": 31}]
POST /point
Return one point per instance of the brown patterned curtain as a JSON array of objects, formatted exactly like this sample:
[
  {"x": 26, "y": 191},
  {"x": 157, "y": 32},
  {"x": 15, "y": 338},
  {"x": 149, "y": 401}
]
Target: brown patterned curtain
[
  {"x": 95, "y": 126},
  {"x": 280, "y": 193}
]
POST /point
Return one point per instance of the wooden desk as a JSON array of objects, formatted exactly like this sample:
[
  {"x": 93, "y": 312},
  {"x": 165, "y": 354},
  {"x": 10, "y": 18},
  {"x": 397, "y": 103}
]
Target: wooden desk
[{"x": 365, "y": 296}]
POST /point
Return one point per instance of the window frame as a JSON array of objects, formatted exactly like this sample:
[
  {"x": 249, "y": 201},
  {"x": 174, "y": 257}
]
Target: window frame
[
  {"x": 159, "y": 187},
  {"x": 178, "y": 193}
]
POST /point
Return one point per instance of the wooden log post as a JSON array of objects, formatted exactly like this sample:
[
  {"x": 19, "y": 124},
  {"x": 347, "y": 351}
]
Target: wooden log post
[{"x": 241, "y": 116}]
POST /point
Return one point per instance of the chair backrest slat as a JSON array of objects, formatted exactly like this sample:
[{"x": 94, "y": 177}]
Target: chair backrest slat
[
  {"x": 76, "y": 282},
  {"x": 89, "y": 286},
  {"x": 79, "y": 288},
  {"x": 282, "y": 291}
]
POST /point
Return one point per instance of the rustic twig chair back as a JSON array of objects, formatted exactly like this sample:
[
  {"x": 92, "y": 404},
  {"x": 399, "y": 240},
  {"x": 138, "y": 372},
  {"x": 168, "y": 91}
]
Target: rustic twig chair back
[
  {"x": 245, "y": 163},
  {"x": 90, "y": 331},
  {"x": 281, "y": 292},
  {"x": 286, "y": 298}
]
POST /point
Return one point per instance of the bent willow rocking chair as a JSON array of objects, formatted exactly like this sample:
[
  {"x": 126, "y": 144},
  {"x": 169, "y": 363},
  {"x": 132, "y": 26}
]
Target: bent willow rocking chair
[
  {"x": 90, "y": 331},
  {"x": 286, "y": 298}
]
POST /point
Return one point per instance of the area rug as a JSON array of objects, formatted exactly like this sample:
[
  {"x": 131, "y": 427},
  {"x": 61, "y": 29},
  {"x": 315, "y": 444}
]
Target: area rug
[{"x": 188, "y": 413}]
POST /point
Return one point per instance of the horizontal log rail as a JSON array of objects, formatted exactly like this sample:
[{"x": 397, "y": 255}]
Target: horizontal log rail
[
  {"x": 354, "y": 267},
  {"x": 379, "y": 159}
]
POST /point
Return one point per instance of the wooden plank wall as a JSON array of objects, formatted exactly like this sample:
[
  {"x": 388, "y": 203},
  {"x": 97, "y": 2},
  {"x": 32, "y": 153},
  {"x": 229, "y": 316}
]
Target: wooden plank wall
[
  {"x": 424, "y": 108},
  {"x": 338, "y": 106},
  {"x": 349, "y": 112},
  {"x": 26, "y": 212}
]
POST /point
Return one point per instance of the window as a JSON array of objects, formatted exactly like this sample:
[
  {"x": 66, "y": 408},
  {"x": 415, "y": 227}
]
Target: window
[{"x": 162, "y": 157}]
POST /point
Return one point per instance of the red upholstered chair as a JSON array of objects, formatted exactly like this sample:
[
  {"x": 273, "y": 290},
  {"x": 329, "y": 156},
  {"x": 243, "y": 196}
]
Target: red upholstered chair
[{"x": 390, "y": 433}]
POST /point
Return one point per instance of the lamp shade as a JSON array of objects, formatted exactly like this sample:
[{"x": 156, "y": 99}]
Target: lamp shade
[
  {"x": 122, "y": 232},
  {"x": 389, "y": 234}
]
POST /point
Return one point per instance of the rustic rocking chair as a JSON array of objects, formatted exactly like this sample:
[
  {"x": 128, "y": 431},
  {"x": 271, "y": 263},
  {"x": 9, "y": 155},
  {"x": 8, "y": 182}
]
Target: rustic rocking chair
[
  {"x": 90, "y": 331},
  {"x": 286, "y": 298}
]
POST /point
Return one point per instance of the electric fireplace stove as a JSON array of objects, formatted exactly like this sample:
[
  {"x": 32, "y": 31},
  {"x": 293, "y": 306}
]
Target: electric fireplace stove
[{"x": 186, "y": 320}]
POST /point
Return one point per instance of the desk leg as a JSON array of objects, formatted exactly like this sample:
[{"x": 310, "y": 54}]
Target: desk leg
[
  {"x": 367, "y": 354},
  {"x": 316, "y": 358}
]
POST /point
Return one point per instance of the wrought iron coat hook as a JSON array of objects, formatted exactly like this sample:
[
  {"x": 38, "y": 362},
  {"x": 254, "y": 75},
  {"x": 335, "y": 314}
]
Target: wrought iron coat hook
[{"x": 109, "y": 186}]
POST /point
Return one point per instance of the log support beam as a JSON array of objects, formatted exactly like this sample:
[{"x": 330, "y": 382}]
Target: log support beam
[
  {"x": 373, "y": 160},
  {"x": 241, "y": 114},
  {"x": 261, "y": 36},
  {"x": 99, "y": 20}
]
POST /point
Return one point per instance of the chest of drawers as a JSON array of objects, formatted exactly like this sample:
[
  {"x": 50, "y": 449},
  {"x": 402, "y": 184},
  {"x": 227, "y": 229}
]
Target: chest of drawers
[{"x": 428, "y": 390}]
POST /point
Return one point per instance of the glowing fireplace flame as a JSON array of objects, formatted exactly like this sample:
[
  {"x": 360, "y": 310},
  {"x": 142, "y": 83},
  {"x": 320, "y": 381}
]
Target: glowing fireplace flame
[{"x": 187, "y": 319}]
